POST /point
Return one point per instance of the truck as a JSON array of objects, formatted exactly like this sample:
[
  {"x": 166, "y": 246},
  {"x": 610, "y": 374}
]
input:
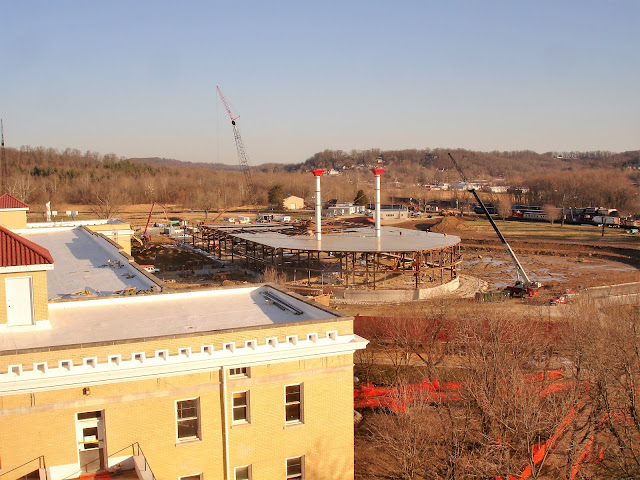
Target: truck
[
  {"x": 264, "y": 218},
  {"x": 150, "y": 268}
]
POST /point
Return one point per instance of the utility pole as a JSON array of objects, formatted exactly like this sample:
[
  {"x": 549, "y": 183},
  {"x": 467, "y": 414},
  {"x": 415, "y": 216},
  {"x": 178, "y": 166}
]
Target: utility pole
[{"x": 3, "y": 162}]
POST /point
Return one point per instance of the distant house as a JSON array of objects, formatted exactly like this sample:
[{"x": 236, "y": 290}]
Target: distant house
[
  {"x": 437, "y": 186},
  {"x": 345, "y": 209},
  {"x": 291, "y": 202},
  {"x": 498, "y": 188},
  {"x": 477, "y": 185},
  {"x": 390, "y": 211}
]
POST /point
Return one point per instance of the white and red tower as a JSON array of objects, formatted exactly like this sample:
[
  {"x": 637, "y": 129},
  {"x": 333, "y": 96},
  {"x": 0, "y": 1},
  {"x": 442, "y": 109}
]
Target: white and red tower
[{"x": 377, "y": 172}]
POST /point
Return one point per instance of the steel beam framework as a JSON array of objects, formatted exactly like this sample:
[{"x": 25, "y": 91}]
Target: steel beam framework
[{"x": 318, "y": 269}]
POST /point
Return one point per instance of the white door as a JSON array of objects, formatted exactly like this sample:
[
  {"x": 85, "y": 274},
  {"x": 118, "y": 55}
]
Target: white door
[
  {"x": 19, "y": 301},
  {"x": 90, "y": 434}
]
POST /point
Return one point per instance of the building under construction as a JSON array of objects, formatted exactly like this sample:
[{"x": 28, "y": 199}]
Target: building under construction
[{"x": 346, "y": 260}]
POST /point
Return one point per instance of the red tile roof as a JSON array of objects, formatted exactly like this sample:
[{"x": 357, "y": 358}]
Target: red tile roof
[
  {"x": 18, "y": 251},
  {"x": 9, "y": 201}
]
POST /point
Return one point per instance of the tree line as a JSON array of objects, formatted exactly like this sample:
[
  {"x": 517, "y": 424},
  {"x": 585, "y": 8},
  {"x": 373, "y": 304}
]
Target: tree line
[{"x": 38, "y": 175}]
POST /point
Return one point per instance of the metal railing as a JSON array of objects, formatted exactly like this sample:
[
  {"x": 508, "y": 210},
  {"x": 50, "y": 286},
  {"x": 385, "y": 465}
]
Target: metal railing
[
  {"x": 136, "y": 446},
  {"x": 136, "y": 450},
  {"x": 41, "y": 464}
]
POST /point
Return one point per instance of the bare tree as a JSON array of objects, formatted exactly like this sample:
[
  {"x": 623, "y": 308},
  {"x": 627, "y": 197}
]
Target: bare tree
[
  {"x": 405, "y": 436},
  {"x": 410, "y": 338},
  {"x": 551, "y": 212},
  {"x": 612, "y": 360},
  {"x": 106, "y": 202},
  {"x": 501, "y": 355},
  {"x": 21, "y": 188},
  {"x": 504, "y": 208}
]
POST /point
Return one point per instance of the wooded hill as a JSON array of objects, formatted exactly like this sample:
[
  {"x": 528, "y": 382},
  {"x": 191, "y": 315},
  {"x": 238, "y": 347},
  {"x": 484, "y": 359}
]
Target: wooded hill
[
  {"x": 512, "y": 166},
  {"x": 171, "y": 162},
  {"x": 37, "y": 175}
]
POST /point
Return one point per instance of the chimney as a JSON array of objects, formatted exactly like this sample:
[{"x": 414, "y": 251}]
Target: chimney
[
  {"x": 377, "y": 172},
  {"x": 318, "y": 173}
]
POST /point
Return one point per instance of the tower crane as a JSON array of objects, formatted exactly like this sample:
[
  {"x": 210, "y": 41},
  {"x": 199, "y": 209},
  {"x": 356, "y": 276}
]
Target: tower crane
[
  {"x": 242, "y": 153},
  {"x": 523, "y": 284}
]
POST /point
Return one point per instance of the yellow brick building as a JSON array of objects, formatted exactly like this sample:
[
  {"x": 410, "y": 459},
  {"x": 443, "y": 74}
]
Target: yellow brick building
[
  {"x": 235, "y": 383},
  {"x": 13, "y": 212}
]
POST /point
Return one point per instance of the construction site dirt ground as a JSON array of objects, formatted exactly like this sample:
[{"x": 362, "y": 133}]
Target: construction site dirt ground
[
  {"x": 559, "y": 257},
  {"x": 183, "y": 269}
]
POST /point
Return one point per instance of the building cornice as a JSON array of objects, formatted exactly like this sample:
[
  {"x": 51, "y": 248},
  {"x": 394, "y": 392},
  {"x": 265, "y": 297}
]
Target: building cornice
[
  {"x": 21, "y": 209},
  {"x": 139, "y": 367},
  {"x": 26, "y": 268}
]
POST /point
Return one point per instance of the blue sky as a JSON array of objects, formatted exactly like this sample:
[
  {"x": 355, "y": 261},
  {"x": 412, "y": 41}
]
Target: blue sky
[{"x": 138, "y": 78}]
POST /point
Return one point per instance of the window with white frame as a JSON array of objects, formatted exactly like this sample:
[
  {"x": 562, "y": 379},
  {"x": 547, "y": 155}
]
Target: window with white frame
[
  {"x": 188, "y": 419},
  {"x": 192, "y": 477},
  {"x": 293, "y": 403},
  {"x": 243, "y": 473},
  {"x": 241, "y": 407},
  {"x": 239, "y": 372},
  {"x": 295, "y": 468}
]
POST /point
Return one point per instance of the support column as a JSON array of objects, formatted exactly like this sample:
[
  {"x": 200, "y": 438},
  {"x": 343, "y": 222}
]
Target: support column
[
  {"x": 317, "y": 173},
  {"x": 353, "y": 266},
  {"x": 376, "y": 260},
  {"x": 377, "y": 172}
]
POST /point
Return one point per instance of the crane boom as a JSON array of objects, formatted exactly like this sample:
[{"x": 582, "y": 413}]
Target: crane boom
[
  {"x": 527, "y": 283},
  {"x": 226, "y": 106},
  {"x": 242, "y": 152},
  {"x": 144, "y": 235}
]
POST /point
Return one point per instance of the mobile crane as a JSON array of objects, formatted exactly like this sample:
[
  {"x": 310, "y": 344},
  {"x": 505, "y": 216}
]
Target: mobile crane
[
  {"x": 523, "y": 286},
  {"x": 146, "y": 238}
]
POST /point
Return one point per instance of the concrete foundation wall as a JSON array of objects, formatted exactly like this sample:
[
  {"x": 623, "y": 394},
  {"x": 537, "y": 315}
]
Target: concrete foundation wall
[{"x": 392, "y": 296}]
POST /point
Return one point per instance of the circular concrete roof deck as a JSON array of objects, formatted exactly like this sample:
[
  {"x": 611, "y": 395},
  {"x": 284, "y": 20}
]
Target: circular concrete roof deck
[{"x": 357, "y": 240}]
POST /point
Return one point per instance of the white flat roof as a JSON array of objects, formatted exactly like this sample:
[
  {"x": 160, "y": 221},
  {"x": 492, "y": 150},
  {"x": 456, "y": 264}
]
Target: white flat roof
[
  {"x": 81, "y": 261},
  {"x": 148, "y": 316},
  {"x": 250, "y": 227},
  {"x": 357, "y": 240},
  {"x": 74, "y": 223}
]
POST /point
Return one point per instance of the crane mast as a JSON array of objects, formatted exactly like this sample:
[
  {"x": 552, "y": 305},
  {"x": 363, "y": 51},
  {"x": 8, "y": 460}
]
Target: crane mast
[
  {"x": 242, "y": 152},
  {"x": 526, "y": 282}
]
